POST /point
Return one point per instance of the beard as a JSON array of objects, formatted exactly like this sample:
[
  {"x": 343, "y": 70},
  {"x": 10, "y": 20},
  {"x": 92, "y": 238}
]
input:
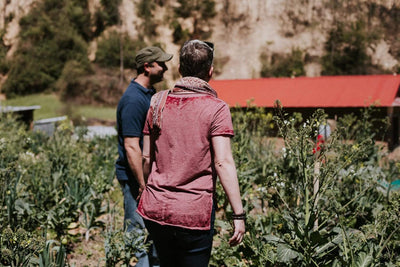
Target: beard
[{"x": 157, "y": 78}]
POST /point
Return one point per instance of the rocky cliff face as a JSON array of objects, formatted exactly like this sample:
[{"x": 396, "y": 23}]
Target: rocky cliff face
[
  {"x": 11, "y": 12},
  {"x": 241, "y": 30}
]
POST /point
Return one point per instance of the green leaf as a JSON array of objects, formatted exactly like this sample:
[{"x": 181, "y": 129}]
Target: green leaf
[
  {"x": 273, "y": 238},
  {"x": 286, "y": 254},
  {"x": 364, "y": 260}
]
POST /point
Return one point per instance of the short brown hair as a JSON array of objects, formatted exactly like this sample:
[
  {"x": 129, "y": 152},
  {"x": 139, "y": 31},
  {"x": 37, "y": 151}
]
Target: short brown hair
[{"x": 196, "y": 58}]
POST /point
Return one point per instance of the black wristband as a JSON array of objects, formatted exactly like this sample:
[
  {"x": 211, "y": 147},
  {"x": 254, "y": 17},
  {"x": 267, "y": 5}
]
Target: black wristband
[{"x": 241, "y": 216}]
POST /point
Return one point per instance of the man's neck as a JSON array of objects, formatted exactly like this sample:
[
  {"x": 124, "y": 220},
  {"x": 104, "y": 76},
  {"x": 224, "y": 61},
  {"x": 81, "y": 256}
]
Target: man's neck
[{"x": 143, "y": 81}]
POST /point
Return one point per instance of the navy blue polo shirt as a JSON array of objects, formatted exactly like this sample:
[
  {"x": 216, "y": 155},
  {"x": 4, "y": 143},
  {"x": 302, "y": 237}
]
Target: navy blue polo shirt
[{"x": 131, "y": 116}]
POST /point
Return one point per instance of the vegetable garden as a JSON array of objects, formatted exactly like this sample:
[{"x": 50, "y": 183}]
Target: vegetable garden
[{"x": 310, "y": 202}]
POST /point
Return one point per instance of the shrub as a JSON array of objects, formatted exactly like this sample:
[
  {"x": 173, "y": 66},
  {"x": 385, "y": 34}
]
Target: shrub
[
  {"x": 48, "y": 181},
  {"x": 4, "y": 64},
  {"x": 107, "y": 16},
  {"x": 188, "y": 7},
  {"x": 145, "y": 11},
  {"x": 179, "y": 35},
  {"x": 102, "y": 86},
  {"x": 110, "y": 8},
  {"x": 68, "y": 85},
  {"x": 80, "y": 18},
  {"x": 316, "y": 201},
  {"x": 53, "y": 33},
  {"x": 346, "y": 50},
  {"x": 109, "y": 50},
  {"x": 200, "y": 12},
  {"x": 19, "y": 248},
  {"x": 121, "y": 246},
  {"x": 291, "y": 65}
]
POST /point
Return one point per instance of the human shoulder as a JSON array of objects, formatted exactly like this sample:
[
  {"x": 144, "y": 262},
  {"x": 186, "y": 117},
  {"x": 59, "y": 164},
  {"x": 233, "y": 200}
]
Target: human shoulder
[
  {"x": 134, "y": 93},
  {"x": 218, "y": 103}
]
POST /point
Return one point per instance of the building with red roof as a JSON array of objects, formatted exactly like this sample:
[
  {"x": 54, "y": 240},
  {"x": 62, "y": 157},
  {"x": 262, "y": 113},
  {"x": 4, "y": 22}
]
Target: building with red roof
[{"x": 337, "y": 95}]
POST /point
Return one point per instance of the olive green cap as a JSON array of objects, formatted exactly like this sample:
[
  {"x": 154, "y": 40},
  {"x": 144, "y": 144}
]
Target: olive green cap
[{"x": 151, "y": 54}]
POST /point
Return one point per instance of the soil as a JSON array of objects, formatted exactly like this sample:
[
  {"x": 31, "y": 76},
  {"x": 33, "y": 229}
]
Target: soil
[{"x": 90, "y": 253}]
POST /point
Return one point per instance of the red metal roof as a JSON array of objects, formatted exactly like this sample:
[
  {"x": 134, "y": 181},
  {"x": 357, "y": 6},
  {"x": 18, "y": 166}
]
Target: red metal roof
[{"x": 324, "y": 91}]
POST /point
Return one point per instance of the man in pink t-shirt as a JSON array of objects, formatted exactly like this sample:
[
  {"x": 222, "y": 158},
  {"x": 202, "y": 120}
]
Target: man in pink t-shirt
[{"x": 186, "y": 145}]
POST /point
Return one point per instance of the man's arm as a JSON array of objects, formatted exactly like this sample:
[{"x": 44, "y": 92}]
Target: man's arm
[
  {"x": 134, "y": 156},
  {"x": 226, "y": 170},
  {"x": 146, "y": 157}
]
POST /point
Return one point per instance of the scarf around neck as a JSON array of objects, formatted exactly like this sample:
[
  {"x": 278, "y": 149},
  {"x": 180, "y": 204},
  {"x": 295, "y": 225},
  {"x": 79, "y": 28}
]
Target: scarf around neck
[{"x": 158, "y": 101}]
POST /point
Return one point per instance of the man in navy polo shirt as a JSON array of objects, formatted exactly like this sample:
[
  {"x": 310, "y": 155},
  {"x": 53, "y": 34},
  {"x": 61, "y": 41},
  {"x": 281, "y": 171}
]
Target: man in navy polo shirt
[{"x": 131, "y": 116}]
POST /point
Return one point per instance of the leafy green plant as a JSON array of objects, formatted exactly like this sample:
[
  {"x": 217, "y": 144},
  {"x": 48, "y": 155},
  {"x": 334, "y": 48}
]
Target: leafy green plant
[
  {"x": 19, "y": 248},
  {"x": 291, "y": 65},
  {"x": 179, "y": 35},
  {"x": 122, "y": 246},
  {"x": 145, "y": 10},
  {"x": 249, "y": 148},
  {"x": 346, "y": 50},
  {"x": 314, "y": 202},
  {"x": 47, "y": 181},
  {"x": 200, "y": 12},
  {"x": 51, "y": 34},
  {"x": 111, "y": 9},
  {"x": 4, "y": 64},
  {"x": 109, "y": 49},
  {"x": 69, "y": 81},
  {"x": 53, "y": 255}
]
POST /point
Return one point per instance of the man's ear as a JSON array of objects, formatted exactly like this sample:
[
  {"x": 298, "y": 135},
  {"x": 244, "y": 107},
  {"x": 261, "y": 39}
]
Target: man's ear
[
  {"x": 211, "y": 71},
  {"x": 146, "y": 67}
]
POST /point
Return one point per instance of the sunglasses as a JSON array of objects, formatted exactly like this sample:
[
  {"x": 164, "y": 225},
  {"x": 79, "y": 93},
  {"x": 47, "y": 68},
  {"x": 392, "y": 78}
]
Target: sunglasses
[{"x": 209, "y": 44}]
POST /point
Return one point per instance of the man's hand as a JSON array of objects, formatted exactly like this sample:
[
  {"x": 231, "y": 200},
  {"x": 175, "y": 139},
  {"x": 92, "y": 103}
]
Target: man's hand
[
  {"x": 226, "y": 170},
  {"x": 237, "y": 237},
  {"x": 141, "y": 189},
  {"x": 134, "y": 156}
]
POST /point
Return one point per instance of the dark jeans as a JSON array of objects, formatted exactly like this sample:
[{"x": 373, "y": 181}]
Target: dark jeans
[{"x": 180, "y": 247}]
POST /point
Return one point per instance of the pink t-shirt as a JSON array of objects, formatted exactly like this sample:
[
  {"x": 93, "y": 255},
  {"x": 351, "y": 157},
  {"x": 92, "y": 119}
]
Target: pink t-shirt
[{"x": 181, "y": 184}]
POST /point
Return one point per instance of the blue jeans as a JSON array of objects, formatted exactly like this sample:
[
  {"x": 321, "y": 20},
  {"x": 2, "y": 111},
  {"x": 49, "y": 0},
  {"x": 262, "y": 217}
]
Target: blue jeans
[
  {"x": 134, "y": 222},
  {"x": 180, "y": 247}
]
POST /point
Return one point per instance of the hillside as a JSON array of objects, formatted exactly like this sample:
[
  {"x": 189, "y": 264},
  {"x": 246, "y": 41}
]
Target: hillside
[{"x": 253, "y": 39}]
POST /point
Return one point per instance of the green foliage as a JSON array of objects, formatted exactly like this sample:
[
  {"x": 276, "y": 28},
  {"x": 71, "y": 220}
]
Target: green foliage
[
  {"x": 348, "y": 220},
  {"x": 4, "y": 64},
  {"x": 51, "y": 106},
  {"x": 389, "y": 17},
  {"x": 107, "y": 16},
  {"x": 69, "y": 80},
  {"x": 346, "y": 50},
  {"x": 79, "y": 17},
  {"x": 315, "y": 202},
  {"x": 145, "y": 10},
  {"x": 291, "y": 65},
  {"x": 19, "y": 248},
  {"x": 53, "y": 255},
  {"x": 53, "y": 33},
  {"x": 122, "y": 246},
  {"x": 112, "y": 12},
  {"x": 201, "y": 12},
  {"x": 179, "y": 35},
  {"x": 109, "y": 50},
  {"x": 249, "y": 149},
  {"x": 187, "y": 8},
  {"x": 49, "y": 181}
]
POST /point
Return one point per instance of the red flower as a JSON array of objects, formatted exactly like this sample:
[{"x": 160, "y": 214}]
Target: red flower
[{"x": 320, "y": 141}]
